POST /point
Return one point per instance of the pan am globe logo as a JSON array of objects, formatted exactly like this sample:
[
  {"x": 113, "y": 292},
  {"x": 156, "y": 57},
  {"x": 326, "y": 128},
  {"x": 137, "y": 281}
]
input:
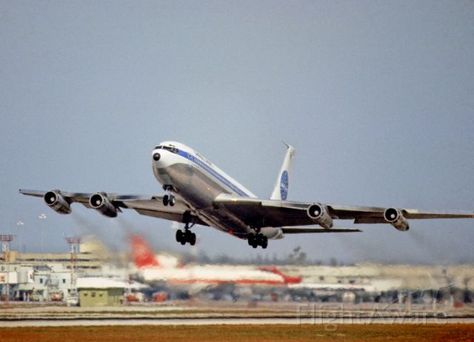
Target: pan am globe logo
[{"x": 284, "y": 185}]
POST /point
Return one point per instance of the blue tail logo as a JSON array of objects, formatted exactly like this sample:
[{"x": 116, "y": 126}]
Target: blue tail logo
[{"x": 284, "y": 185}]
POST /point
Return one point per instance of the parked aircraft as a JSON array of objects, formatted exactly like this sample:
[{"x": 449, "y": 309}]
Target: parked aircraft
[{"x": 154, "y": 268}]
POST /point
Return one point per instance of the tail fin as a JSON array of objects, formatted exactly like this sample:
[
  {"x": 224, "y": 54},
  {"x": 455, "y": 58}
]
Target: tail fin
[
  {"x": 280, "y": 192},
  {"x": 143, "y": 255}
]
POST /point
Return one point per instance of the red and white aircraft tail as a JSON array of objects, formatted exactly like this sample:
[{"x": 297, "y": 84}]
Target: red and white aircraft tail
[{"x": 142, "y": 253}]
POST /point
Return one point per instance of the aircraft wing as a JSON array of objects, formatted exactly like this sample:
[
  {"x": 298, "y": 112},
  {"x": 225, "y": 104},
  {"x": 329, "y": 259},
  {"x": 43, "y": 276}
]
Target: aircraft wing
[
  {"x": 144, "y": 205},
  {"x": 79, "y": 197},
  {"x": 272, "y": 213},
  {"x": 375, "y": 214}
]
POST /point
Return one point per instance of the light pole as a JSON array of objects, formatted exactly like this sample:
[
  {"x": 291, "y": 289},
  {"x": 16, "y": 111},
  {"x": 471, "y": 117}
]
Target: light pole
[
  {"x": 74, "y": 243},
  {"x": 5, "y": 239},
  {"x": 19, "y": 224},
  {"x": 42, "y": 217}
]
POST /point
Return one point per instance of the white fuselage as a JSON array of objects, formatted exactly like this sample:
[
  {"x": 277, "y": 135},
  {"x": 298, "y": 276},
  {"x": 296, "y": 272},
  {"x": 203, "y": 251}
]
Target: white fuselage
[
  {"x": 212, "y": 275},
  {"x": 197, "y": 181}
]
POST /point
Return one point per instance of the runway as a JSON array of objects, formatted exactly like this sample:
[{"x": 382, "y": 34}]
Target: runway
[
  {"x": 231, "y": 321},
  {"x": 204, "y": 314}
]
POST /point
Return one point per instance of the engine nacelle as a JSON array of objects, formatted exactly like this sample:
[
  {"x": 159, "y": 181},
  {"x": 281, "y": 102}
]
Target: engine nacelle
[
  {"x": 100, "y": 202},
  {"x": 395, "y": 218},
  {"x": 57, "y": 202},
  {"x": 319, "y": 215}
]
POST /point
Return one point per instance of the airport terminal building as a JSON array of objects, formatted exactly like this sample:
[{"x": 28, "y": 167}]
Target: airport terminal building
[{"x": 94, "y": 278}]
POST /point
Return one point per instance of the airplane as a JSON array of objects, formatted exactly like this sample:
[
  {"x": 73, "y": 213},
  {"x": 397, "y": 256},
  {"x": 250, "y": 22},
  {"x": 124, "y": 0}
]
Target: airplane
[
  {"x": 152, "y": 268},
  {"x": 198, "y": 192}
]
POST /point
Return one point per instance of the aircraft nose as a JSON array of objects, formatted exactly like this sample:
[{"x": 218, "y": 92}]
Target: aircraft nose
[{"x": 156, "y": 156}]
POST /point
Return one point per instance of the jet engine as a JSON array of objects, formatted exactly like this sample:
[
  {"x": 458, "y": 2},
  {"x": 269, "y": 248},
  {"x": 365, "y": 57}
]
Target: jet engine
[
  {"x": 319, "y": 215},
  {"x": 101, "y": 203},
  {"x": 395, "y": 218},
  {"x": 57, "y": 202}
]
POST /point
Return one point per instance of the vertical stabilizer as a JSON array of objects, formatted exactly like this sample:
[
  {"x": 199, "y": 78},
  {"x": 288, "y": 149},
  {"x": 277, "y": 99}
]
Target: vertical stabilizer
[
  {"x": 142, "y": 253},
  {"x": 280, "y": 192}
]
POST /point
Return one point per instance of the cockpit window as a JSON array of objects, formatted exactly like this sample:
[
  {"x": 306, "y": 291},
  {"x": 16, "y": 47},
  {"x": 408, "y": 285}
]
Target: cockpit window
[
  {"x": 159, "y": 147},
  {"x": 168, "y": 148}
]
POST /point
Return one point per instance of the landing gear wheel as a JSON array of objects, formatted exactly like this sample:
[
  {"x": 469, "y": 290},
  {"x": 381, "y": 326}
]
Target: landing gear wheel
[
  {"x": 168, "y": 198},
  {"x": 257, "y": 240},
  {"x": 250, "y": 238},
  {"x": 179, "y": 236},
  {"x": 186, "y": 236},
  {"x": 172, "y": 200},
  {"x": 254, "y": 243},
  {"x": 192, "y": 239}
]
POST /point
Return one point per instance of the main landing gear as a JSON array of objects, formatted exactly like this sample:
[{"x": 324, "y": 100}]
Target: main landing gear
[
  {"x": 258, "y": 239},
  {"x": 168, "y": 198},
  {"x": 187, "y": 235}
]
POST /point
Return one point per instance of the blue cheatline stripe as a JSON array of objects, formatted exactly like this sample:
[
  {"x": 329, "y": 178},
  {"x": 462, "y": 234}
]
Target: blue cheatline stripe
[{"x": 212, "y": 172}]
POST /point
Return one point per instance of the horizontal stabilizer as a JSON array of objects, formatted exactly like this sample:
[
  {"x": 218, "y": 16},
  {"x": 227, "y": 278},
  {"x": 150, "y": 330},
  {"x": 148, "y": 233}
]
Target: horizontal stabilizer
[{"x": 303, "y": 230}]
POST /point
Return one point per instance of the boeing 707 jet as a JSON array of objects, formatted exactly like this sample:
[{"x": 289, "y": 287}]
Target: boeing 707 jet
[{"x": 198, "y": 192}]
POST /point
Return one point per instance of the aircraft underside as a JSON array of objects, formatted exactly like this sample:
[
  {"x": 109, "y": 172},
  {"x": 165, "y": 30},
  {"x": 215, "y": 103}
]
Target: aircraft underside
[{"x": 189, "y": 184}]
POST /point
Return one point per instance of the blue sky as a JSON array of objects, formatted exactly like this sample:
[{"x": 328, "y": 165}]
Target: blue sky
[{"x": 377, "y": 98}]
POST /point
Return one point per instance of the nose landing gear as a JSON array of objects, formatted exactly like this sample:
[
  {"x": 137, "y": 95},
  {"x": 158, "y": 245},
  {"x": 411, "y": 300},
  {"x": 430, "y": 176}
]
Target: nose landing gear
[{"x": 168, "y": 198}]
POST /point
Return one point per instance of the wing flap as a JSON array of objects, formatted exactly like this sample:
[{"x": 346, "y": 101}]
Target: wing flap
[
  {"x": 369, "y": 220},
  {"x": 265, "y": 213}
]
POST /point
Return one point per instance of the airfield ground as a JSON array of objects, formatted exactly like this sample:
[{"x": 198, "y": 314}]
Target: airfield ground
[
  {"x": 373, "y": 332},
  {"x": 218, "y": 322}
]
